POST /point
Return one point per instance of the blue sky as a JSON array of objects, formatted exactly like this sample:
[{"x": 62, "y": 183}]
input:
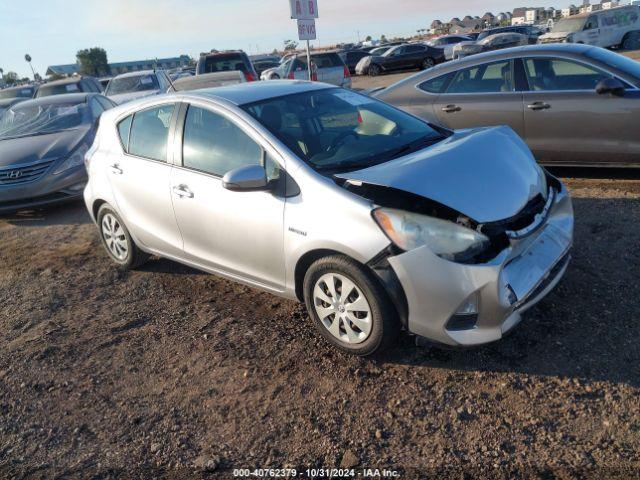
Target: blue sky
[{"x": 52, "y": 31}]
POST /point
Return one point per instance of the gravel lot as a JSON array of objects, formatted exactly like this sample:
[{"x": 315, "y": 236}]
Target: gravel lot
[
  {"x": 166, "y": 369},
  {"x": 169, "y": 372}
]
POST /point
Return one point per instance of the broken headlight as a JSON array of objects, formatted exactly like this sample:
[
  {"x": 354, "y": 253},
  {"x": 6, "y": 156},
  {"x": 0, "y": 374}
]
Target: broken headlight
[{"x": 446, "y": 239}]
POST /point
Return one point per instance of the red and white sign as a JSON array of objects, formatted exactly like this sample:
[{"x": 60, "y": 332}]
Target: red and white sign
[
  {"x": 304, "y": 9},
  {"x": 307, "y": 29}
]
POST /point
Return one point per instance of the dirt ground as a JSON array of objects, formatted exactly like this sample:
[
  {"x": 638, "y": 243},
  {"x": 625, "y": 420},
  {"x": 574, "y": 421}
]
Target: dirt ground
[
  {"x": 166, "y": 370},
  {"x": 169, "y": 372}
]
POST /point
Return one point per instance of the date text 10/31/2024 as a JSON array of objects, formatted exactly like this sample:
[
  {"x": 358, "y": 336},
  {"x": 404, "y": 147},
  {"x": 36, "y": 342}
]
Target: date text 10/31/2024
[{"x": 315, "y": 473}]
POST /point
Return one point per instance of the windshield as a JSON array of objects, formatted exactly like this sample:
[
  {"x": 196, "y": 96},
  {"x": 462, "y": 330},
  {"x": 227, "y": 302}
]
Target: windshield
[
  {"x": 568, "y": 25},
  {"x": 621, "y": 62},
  {"x": 22, "y": 121},
  {"x": 225, "y": 63},
  {"x": 338, "y": 130},
  {"x": 25, "y": 92},
  {"x": 140, "y": 83}
]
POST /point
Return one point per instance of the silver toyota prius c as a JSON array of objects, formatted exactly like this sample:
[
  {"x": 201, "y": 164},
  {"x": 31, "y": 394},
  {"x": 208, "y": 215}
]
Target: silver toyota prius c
[{"x": 378, "y": 221}]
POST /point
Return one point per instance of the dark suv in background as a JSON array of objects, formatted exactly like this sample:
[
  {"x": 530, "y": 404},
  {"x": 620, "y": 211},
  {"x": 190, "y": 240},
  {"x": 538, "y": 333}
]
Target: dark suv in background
[{"x": 227, "y": 61}]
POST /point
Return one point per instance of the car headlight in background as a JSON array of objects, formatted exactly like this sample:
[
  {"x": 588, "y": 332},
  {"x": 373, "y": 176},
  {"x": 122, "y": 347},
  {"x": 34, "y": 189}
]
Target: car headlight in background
[
  {"x": 76, "y": 159},
  {"x": 446, "y": 239}
]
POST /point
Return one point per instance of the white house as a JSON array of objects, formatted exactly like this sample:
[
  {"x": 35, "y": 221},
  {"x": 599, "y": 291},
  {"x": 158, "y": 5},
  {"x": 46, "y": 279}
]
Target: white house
[{"x": 608, "y": 5}]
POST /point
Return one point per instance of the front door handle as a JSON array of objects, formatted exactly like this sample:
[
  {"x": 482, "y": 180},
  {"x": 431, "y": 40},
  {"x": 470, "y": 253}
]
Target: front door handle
[
  {"x": 451, "y": 108},
  {"x": 539, "y": 106},
  {"x": 115, "y": 168},
  {"x": 183, "y": 191}
]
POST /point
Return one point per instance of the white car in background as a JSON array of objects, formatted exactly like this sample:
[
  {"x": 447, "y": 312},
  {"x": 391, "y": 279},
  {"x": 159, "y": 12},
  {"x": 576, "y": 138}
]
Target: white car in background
[
  {"x": 604, "y": 28},
  {"x": 134, "y": 85}
]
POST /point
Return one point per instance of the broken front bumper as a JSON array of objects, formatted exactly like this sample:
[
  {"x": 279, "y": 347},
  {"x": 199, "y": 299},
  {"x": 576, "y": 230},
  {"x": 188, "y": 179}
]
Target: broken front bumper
[{"x": 438, "y": 290}]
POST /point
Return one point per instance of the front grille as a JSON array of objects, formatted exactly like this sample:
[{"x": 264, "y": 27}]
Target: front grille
[
  {"x": 18, "y": 174},
  {"x": 526, "y": 221}
]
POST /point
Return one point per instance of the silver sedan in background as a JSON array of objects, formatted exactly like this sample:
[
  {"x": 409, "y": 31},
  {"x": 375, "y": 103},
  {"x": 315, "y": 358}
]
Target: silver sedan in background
[
  {"x": 42, "y": 147},
  {"x": 375, "y": 219}
]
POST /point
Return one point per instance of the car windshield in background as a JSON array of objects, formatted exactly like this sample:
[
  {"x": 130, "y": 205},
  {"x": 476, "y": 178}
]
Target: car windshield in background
[
  {"x": 22, "y": 121},
  {"x": 569, "y": 25},
  {"x": 616, "y": 60},
  {"x": 26, "y": 92},
  {"x": 138, "y": 83},
  {"x": 224, "y": 63},
  {"x": 337, "y": 130},
  {"x": 49, "y": 90}
]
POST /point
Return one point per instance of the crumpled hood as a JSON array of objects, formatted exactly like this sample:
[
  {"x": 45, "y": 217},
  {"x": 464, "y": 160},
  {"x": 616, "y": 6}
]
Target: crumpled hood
[
  {"x": 16, "y": 151},
  {"x": 554, "y": 35},
  {"x": 128, "y": 97},
  {"x": 487, "y": 174}
]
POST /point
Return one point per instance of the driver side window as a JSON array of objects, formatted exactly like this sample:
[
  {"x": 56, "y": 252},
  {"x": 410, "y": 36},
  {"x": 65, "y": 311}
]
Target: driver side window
[
  {"x": 592, "y": 23},
  {"x": 213, "y": 144}
]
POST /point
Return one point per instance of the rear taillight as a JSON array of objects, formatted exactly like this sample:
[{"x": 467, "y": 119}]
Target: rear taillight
[
  {"x": 291, "y": 76},
  {"x": 249, "y": 77},
  {"x": 346, "y": 72},
  {"x": 314, "y": 76}
]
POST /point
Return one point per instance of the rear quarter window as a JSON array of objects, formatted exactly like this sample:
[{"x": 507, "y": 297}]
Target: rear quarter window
[
  {"x": 436, "y": 85},
  {"x": 124, "y": 127}
]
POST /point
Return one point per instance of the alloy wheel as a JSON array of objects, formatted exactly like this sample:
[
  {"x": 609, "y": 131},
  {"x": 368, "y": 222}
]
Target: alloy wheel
[
  {"x": 342, "y": 308},
  {"x": 114, "y": 237}
]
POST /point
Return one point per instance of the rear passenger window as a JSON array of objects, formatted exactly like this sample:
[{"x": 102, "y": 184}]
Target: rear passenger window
[
  {"x": 436, "y": 85},
  {"x": 413, "y": 49},
  {"x": 488, "y": 78},
  {"x": 150, "y": 133},
  {"x": 215, "y": 145},
  {"x": 547, "y": 74},
  {"x": 123, "y": 131}
]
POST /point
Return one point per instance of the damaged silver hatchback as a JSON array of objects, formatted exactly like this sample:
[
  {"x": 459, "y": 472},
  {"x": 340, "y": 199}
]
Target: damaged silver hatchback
[{"x": 375, "y": 219}]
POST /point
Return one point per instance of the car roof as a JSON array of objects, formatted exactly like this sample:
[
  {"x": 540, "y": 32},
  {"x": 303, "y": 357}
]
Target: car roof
[
  {"x": 59, "y": 99},
  {"x": 138, "y": 73},
  {"x": 65, "y": 81},
  {"x": 250, "y": 92},
  {"x": 550, "y": 48},
  {"x": 17, "y": 88}
]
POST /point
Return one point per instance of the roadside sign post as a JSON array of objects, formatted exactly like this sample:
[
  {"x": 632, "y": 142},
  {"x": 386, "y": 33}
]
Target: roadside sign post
[{"x": 305, "y": 12}]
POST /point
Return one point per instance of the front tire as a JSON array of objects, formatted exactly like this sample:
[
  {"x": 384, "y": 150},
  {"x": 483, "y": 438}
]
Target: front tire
[
  {"x": 374, "y": 70},
  {"x": 117, "y": 240},
  {"x": 349, "y": 307}
]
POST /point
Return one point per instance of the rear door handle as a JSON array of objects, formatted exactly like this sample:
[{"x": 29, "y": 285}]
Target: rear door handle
[
  {"x": 183, "y": 191},
  {"x": 539, "y": 106},
  {"x": 451, "y": 108},
  {"x": 115, "y": 168}
]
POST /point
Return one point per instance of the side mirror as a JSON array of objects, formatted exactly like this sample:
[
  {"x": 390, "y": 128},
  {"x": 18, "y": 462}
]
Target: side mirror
[
  {"x": 610, "y": 85},
  {"x": 251, "y": 178}
]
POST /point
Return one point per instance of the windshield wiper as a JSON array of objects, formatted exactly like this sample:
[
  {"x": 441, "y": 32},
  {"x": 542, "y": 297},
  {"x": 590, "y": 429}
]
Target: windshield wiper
[{"x": 414, "y": 146}]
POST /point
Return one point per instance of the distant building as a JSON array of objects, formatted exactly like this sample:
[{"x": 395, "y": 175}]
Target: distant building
[
  {"x": 608, "y": 5},
  {"x": 570, "y": 10},
  {"x": 588, "y": 8},
  {"x": 519, "y": 16},
  {"x": 489, "y": 20},
  {"x": 437, "y": 28},
  {"x": 126, "y": 67}
]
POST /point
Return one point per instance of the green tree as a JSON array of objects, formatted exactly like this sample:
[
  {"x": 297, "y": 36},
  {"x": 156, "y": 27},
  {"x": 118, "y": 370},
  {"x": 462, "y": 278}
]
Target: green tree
[
  {"x": 290, "y": 45},
  {"x": 368, "y": 39},
  {"x": 383, "y": 39},
  {"x": 11, "y": 78},
  {"x": 93, "y": 61}
]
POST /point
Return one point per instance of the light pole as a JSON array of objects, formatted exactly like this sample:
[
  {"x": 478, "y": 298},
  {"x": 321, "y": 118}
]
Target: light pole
[{"x": 27, "y": 57}]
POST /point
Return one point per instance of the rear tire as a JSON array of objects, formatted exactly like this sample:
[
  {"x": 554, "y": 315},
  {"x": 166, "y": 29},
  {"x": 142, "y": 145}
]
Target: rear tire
[
  {"x": 631, "y": 41},
  {"x": 117, "y": 241},
  {"x": 374, "y": 70},
  {"x": 275, "y": 76},
  {"x": 360, "y": 321},
  {"x": 427, "y": 63}
]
